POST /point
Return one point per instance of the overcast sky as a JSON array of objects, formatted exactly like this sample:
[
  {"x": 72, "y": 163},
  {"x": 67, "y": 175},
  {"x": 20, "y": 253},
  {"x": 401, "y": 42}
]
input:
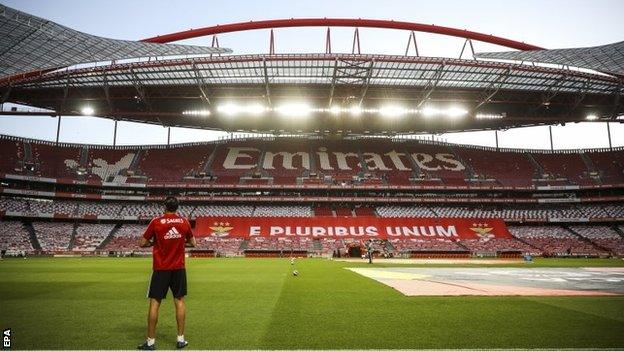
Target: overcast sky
[{"x": 550, "y": 24}]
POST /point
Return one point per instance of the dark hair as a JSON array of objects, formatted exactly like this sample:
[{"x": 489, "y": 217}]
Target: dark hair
[{"x": 171, "y": 204}]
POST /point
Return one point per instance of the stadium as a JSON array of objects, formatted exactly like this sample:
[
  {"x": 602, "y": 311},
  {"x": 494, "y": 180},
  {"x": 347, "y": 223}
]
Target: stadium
[{"x": 329, "y": 157}]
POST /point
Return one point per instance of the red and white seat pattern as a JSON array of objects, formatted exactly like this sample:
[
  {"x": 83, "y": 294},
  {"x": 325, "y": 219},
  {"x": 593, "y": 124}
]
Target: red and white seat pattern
[
  {"x": 614, "y": 210},
  {"x": 222, "y": 246},
  {"x": 405, "y": 211},
  {"x": 507, "y": 211},
  {"x": 11, "y": 153},
  {"x": 89, "y": 236},
  {"x": 280, "y": 244},
  {"x": 152, "y": 209},
  {"x": 37, "y": 206},
  {"x": 144, "y": 210},
  {"x": 53, "y": 236},
  {"x": 597, "y": 210},
  {"x": 508, "y": 168},
  {"x": 499, "y": 245},
  {"x": 554, "y": 241},
  {"x": 55, "y": 161},
  {"x": 14, "y": 237},
  {"x": 10, "y": 204},
  {"x": 292, "y": 161},
  {"x": 603, "y": 236},
  {"x": 330, "y": 245},
  {"x": 411, "y": 245},
  {"x": 282, "y": 211},
  {"x": 127, "y": 238},
  {"x": 108, "y": 165},
  {"x": 173, "y": 164},
  {"x": 230, "y": 246},
  {"x": 224, "y": 211},
  {"x": 564, "y": 165},
  {"x": 610, "y": 165},
  {"x": 111, "y": 209}
]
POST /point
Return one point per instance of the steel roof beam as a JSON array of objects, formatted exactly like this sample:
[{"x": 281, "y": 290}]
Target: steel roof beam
[
  {"x": 266, "y": 82},
  {"x": 579, "y": 97},
  {"x": 492, "y": 89},
  {"x": 107, "y": 93},
  {"x": 340, "y": 22},
  {"x": 140, "y": 90},
  {"x": 431, "y": 85},
  {"x": 333, "y": 82},
  {"x": 552, "y": 91},
  {"x": 6, "y": 94},
  {"x": 65, "y": 95},
  {"x": 616, "y": 101},
  {"x": 200, "y": 84},
  {"x": 36, "y": 45},
  {"x": 369, "y": 74}
]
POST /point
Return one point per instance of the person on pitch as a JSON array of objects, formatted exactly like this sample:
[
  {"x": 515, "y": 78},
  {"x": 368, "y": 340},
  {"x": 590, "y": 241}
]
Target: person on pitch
[{"x": 169, "y": 234}]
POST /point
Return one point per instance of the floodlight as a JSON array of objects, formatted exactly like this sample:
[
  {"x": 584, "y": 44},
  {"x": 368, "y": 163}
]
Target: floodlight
[
  {"x": 489, "y": 116},
  {"x": 355, "y": 110},
  {"x": 430, "y": 111},
  {"x": 335, "y": 110},
  {"x": 591, "y": 117},
  {"x": 256, "y": 109},
  {"x": 392, "y": 111},
  {"x": 294, "y": 109},
  {"x": 87, "y": 111},
  {"x": 229, "y": 109},
  {"x": 455, "y": 112},
  {"x": 196, "y": 113}
]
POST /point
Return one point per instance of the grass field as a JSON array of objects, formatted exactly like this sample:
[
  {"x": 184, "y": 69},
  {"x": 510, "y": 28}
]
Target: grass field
[{"x": 71, "y": 303}]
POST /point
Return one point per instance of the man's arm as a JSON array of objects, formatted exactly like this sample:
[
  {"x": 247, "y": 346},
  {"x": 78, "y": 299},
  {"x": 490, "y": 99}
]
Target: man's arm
[
  {"x": 146, "y": 239},
  {"x": 145, "y": 243},
  {"x": 190, "y": 242},
  {"x": 190, "y": 239}
]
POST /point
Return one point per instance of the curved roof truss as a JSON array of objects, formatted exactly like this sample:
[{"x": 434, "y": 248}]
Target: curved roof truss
[
  {"x": 29, "y": 43},
  {"x": 340, "y": 22}
]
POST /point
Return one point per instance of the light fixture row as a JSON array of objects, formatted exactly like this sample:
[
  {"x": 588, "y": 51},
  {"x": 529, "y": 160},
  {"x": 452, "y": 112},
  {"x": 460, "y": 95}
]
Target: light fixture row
[{"x": 302, "y": 109}]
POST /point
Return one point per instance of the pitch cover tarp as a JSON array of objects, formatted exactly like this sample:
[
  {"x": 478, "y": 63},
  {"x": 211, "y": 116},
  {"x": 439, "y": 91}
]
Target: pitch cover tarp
[{"x": 352, "y": 227}]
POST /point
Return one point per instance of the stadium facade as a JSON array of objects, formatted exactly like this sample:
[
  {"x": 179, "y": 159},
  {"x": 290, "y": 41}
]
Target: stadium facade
[{"x": 321, "y": 175}]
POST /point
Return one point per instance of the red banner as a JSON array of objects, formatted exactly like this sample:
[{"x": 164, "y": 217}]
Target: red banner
[{"x": 352, "y": 227}]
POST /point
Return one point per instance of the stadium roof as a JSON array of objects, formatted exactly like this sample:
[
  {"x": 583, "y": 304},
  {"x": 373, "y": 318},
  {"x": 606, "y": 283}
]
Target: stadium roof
[
  {"x": 29, "y": 43},
  {"x": 605, "y": 58},
  {"x": 188, "y": 91}
]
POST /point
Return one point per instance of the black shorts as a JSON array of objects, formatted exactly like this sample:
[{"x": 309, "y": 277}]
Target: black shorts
[{"x": 164, "y": 280}]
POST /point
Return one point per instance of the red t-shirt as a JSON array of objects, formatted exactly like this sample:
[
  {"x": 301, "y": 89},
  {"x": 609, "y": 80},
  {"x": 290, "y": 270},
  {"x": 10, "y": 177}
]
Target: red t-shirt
[{"x": 170, "y": 232}]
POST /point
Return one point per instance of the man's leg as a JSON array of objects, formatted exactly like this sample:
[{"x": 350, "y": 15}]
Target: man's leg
[
  {"x": 178, "y": 289},
  {"x": 152, "y": 318},
  {"x": 157, "y": 290},
  {"x": 180, "y": 309}
]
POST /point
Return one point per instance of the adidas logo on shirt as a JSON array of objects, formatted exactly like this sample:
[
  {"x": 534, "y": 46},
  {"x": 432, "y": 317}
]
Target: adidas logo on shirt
[{"x": 172, "y": 234}]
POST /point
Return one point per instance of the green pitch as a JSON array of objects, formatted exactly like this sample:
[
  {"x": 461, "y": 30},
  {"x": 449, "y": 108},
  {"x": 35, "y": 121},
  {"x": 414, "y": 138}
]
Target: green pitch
[{"x": 257, "y": 304}]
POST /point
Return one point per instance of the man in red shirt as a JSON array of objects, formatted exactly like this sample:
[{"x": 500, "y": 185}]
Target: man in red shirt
[{"x": 169, "y": 234}]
